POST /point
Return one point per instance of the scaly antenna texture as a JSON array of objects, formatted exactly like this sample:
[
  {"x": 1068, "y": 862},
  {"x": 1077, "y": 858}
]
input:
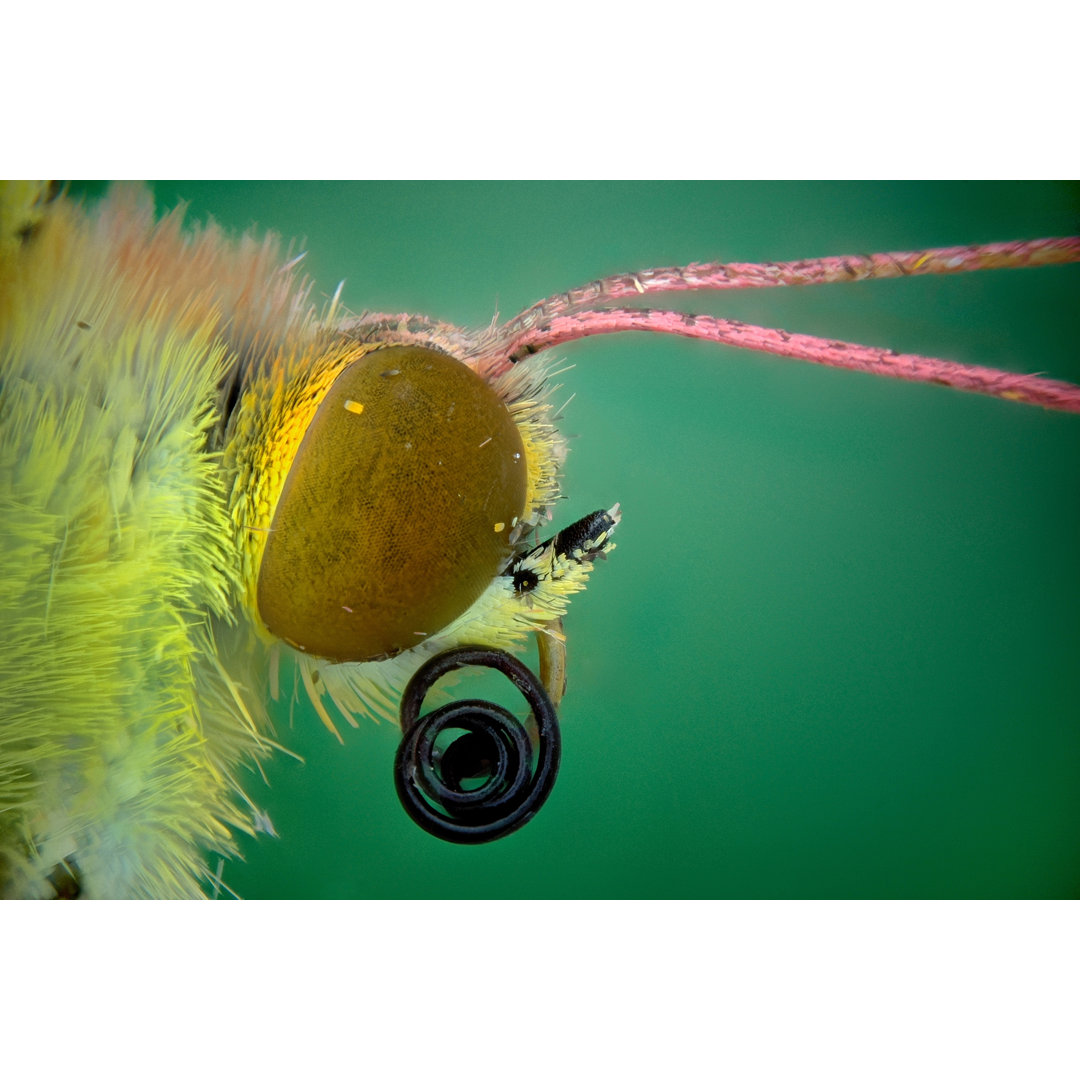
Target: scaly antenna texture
[
  {"x": 1029, "y": 389},
  {"x": 583, "y": 312}
]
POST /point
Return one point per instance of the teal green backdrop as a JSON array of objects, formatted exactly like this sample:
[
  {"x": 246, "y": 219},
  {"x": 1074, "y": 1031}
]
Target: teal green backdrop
[{"x": 836, "y": 651}]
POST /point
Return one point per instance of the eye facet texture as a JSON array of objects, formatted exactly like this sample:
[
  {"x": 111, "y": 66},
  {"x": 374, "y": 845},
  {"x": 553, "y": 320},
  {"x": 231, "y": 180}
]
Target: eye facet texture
[{"x": 397, "y": 510}]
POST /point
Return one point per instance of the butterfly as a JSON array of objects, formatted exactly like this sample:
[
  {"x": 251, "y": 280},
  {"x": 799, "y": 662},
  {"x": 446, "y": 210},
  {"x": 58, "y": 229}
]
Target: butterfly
[{"x": 214, "y": 484}]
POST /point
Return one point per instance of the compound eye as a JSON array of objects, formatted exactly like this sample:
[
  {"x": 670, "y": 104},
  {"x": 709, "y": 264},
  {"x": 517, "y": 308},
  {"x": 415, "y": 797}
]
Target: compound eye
[{"x": 397, "y": 510}]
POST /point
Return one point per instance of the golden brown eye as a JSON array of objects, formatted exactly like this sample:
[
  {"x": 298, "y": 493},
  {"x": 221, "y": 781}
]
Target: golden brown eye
[{"x": 397, "y": 509}]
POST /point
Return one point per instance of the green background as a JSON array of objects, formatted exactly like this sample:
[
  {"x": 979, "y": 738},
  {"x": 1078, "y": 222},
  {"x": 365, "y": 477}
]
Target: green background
[{"x": 835, "y": 653}]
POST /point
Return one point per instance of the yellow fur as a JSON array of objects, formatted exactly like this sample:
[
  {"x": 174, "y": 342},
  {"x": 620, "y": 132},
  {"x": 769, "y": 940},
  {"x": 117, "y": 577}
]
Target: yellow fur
[
  {"x": 125, "y": 727},
  {"x": 134, "y": 669}
]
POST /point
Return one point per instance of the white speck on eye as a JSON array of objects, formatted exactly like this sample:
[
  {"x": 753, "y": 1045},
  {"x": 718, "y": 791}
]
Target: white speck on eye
[
  {"x": 408, "y": 446},
  {"x": 484, "y": 443},
  {"x": 345, "y": 607}
]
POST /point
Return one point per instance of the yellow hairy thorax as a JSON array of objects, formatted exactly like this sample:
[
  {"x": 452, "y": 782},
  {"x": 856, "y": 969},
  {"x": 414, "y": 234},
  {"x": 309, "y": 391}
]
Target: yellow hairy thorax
[{"x": 202, "y": 477}]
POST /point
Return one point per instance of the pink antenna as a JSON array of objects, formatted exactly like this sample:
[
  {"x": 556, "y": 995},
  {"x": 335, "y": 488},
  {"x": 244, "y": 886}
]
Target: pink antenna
[{"x": 585, "y": 311}]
